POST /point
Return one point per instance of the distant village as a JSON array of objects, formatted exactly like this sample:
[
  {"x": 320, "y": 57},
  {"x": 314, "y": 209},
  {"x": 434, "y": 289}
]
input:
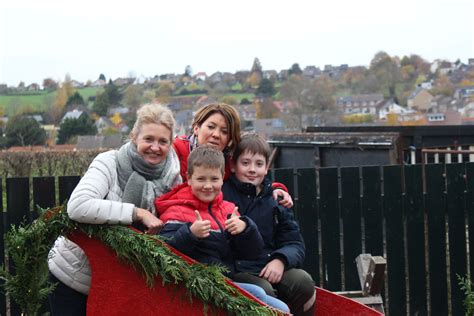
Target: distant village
[{"x": 391, "y": 91}]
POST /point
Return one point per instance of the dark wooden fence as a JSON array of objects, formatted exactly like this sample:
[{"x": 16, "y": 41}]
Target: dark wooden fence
[{"x": 420, "y": 219}]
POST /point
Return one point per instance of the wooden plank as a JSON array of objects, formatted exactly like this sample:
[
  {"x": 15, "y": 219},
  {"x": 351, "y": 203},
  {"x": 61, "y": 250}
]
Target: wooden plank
[
  {"x": 308, "y": 219},
  {"x": 457, "y": 232},
  {"x": 66, "y": 186},
  {"x": 18, "y": 212},
  {"x": 44, "y": 191},
  {"x": 414, "y": 209},
  {"x": 435, "y": 208},
  {"x": 330, "y": 230},
  {"x": 372, "y": 210},
  {"x": 2, "y": 248},
  {"x": 393, "y": 210},
  {"x": 470, "y": 212},
  {"x": 18, "y": 201},
  {"x": 351, "y": 223}
]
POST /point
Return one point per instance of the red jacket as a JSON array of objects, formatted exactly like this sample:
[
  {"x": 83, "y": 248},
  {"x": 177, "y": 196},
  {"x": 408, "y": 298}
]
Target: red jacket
[{"x": 179, "y": 205}]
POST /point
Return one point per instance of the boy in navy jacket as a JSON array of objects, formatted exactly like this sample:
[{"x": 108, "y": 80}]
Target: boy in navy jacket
[{"x": 278, "y": 268}]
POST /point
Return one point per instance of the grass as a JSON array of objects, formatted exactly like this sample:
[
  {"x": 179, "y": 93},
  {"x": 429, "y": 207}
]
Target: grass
[{"x": 38, "y": 102}]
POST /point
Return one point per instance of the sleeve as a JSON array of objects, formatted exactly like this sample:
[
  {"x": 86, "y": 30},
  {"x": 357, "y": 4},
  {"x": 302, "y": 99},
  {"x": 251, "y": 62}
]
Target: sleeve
[
  {"x": 88, "y": 203},
  {"x": 278, "y": 185},
  {"x": 248, "y": 244},
  {"x": 288, "y": 240},
  {"x": 180, "y": 237}
]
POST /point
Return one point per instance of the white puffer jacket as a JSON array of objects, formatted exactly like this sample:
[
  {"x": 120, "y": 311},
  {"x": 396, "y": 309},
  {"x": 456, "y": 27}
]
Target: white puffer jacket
[{"x": 95, "y": 200}]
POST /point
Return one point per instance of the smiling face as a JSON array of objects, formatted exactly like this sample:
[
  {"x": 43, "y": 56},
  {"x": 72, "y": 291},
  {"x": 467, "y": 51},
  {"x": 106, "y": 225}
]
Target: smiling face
[
  {"x": 213, "y": 132},
  {"x": 205, "y": 183},
  {"x": 251, "y": 168},
  {"x": 153, "y": 142}
]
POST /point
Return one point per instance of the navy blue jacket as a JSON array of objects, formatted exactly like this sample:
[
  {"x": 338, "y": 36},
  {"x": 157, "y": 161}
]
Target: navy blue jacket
[{"x": 279, "y": 230}]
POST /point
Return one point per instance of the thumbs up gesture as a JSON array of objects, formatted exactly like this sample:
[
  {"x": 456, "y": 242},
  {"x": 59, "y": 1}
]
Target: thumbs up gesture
[
  {"x": 234, "y": 225},
  {"x": 200, "y": 228}
]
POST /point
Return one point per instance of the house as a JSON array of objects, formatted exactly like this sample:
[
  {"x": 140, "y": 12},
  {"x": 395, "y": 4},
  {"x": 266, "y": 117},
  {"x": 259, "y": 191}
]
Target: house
[
  {"x": 76, "y": 84},
  {"x": 103, "y": 123},
  {"x": 285, "y": 106},
  {"x": 464, "y": 92},
  {"x": 120, "y": 82},
  {"x": 283, "y": 74},
  {"x": 428, "y": 85},
  {"x": 442, "y": 103},
  {"x": 312, "y": 72},
  {"x": 270, "y": 74},
  {"x": 74, "y": 114},
  {"x": 420, "y": 99},
  {"x": 33, "y": 87},
  {"x": 390, "y": 107},
  {"x": 446, "y": 118},
  {"x": 247, "y": 112},
  {"x": 360, "y": 104},
  {"x": 98, "y": 83}
]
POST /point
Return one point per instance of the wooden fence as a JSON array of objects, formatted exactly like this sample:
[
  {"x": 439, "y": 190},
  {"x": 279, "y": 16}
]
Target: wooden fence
[{"x": 425, "y": 235}]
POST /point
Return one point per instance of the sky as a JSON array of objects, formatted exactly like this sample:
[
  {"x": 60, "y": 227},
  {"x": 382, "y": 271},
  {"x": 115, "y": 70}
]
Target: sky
[{"x": 52, "y": 38}]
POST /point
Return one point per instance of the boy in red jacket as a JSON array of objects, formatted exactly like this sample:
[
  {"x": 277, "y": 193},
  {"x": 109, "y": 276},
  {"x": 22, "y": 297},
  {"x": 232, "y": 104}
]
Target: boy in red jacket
[{"x": 202, "y": 225}]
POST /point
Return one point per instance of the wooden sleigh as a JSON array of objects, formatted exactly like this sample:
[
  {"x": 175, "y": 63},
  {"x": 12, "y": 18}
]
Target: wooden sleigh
[{"x": 118, "y": 289}]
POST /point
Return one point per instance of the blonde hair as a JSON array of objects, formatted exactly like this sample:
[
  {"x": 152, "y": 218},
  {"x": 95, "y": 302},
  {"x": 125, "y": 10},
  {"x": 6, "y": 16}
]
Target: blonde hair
[
  {"x": 230, "y": 115},
  {"x": 153, "y": 113}
]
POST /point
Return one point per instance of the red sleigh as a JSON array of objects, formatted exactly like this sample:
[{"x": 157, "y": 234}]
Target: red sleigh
[{"x": 118, "y": 289}]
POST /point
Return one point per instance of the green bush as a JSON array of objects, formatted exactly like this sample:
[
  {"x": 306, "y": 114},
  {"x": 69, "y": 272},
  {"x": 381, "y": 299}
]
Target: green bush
[{"x": 466, "y": 286}]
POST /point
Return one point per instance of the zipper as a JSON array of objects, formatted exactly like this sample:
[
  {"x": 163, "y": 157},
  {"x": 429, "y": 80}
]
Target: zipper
[{"x": 209, "y": 209}]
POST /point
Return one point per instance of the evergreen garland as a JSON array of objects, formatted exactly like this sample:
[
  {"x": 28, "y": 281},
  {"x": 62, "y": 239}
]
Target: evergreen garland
[{"x": 29, "y": 244}]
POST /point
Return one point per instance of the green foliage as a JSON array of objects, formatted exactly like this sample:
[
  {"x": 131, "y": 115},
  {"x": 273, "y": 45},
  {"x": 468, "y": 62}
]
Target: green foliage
[
  {"x": 113, "y": 93},
  {"x": 75, "y": 99},
  {"x": 24, "y": 131},
  {"x": 266, "y": 88},
  {"x": 73, "y": 127},
  {"x": 28, "y": 247},
  {"x": 101, "y": 104},
  {"x": 295, "y": 70},
  {"x": 466, "y": 286}
]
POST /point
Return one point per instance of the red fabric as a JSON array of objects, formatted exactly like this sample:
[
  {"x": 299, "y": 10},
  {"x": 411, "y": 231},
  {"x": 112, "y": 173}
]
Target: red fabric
[
  {"x": 118, "y": 289},
  {"x": 179, "y": 204},
  {"x": 278, "y": 185},
  {"x": 328, "y": 303},
  {"x": 183, "y": 149}
]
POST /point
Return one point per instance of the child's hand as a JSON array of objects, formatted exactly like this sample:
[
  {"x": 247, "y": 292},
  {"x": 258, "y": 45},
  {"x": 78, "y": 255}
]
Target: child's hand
[
  {"x": 283, "y": 198},
  {"x": 200, "y": 228},
  {"x": 234, "y": 225},
  {"x": 273, "y": 271}
]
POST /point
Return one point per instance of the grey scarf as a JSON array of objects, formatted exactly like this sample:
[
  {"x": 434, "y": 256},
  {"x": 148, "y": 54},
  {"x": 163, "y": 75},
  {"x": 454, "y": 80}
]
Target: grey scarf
[{"x": 140, "y": 181}]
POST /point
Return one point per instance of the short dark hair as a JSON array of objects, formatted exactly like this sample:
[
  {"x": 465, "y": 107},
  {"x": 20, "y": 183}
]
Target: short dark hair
[
  {"x": 206, "y": 156},
  {"x": 253, "y": 143}
]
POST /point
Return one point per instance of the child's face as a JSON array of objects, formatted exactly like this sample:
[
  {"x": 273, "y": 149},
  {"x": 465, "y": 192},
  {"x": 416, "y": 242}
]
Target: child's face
[
  {"x": 206, "y": 183},
  {"x": 251, "y": 168}
]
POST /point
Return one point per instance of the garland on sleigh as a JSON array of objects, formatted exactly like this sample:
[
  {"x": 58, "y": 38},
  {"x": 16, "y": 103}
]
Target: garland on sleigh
[{"x": 28, "y": 247}]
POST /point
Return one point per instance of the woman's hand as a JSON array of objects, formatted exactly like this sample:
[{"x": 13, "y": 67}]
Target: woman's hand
[
  {"x": 152, "y": 223},
  {"x": 200, "y": 228},
  {"x": 234, "y": 225},
  {"x": 283, "y": 198},
  {"x": 273, "y": 271}
]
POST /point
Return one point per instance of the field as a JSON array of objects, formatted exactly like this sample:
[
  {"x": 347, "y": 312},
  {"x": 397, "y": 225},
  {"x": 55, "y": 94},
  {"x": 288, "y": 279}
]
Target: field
[{"x": 35, "y": 102}]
